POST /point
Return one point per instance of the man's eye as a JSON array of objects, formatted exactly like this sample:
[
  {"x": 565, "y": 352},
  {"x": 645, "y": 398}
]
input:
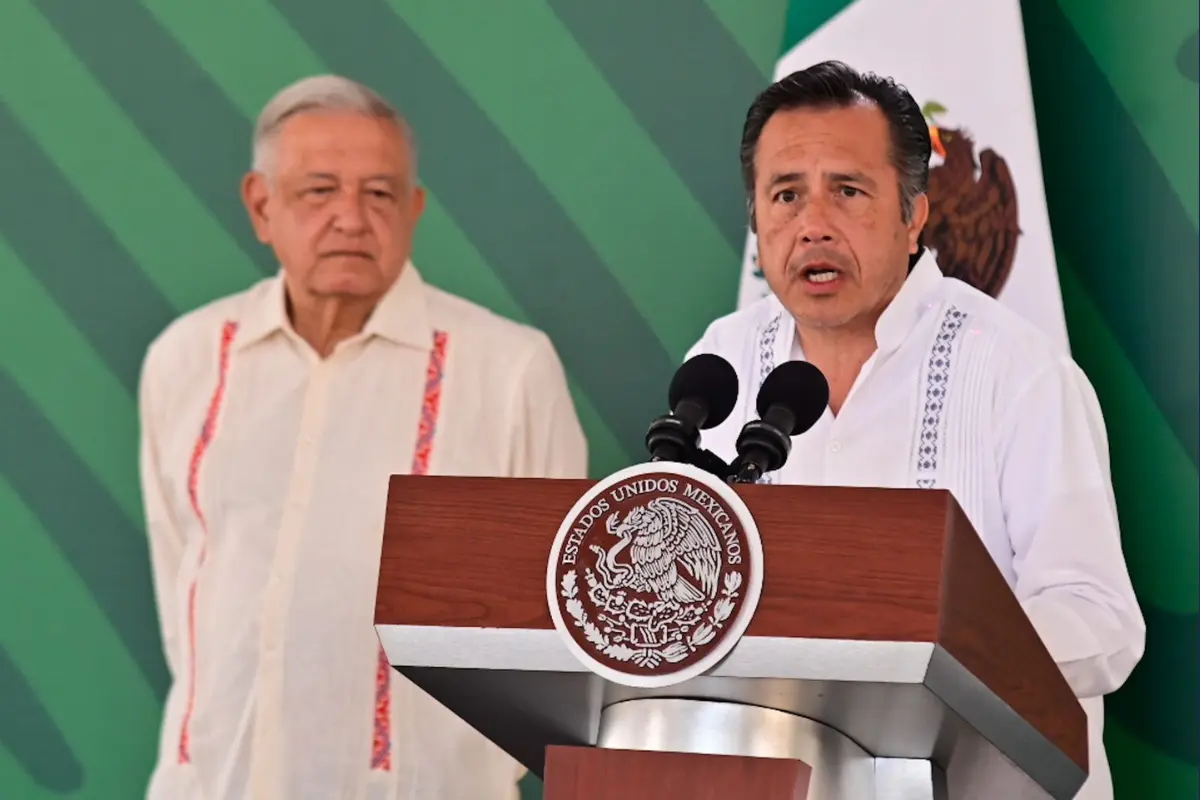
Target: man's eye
[
  {"x": 380, "y": 194},
  {"x": 319, "y": 190},
  {"x": 786, "y": 196},
  {"x": 850, "y": 191}
]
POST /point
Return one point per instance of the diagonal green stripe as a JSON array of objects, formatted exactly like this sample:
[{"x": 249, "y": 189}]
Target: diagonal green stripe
[
  {"x": 109, "y": 299},
  {"x": 86, "y": 526},
  {"x": 516, "y": 224},
  {"x": 30, "y": 735},
  {"x": 61, "y": 370},
  {"x": 17, "y": 781},
  {"x": 1117, "y": 218},
  {"x": 442, "y": 251},
  {"x": 73, "y": 659},
  {"x": 687, "y": 81},
  {"x": 755, "y": 26},
  {"x": 198, "y": 115},
  {"x": 645, "y": 244},
  {"x": 184, "y": 251},
  {"x": 227, "y": 41},
  {"x": 1137, "y": 51},
  {"x": 806, "y": 18}
]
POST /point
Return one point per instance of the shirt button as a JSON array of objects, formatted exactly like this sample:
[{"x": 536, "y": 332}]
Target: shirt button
[{"x": 835, "y": 446}]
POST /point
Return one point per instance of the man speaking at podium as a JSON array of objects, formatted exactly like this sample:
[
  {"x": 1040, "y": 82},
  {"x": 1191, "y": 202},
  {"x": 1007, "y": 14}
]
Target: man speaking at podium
[
  {"x": 271, "y": 422},
  {"x": 931, "y": 383}
]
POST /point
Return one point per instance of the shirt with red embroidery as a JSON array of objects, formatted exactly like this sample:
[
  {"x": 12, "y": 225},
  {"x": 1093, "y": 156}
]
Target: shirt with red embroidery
[{"x": 264, "y": 475}]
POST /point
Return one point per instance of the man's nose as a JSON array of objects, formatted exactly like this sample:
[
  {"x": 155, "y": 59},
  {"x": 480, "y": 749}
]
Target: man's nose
[
  {"x": 814, "y": 224},
  {"x": 349, "y": 214}
]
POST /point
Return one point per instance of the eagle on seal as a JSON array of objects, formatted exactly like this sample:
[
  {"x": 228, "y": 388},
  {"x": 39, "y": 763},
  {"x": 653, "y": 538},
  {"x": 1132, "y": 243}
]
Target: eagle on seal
[
  {"x": 972, "y": 209},
  {"x": 664, "y": 536}
]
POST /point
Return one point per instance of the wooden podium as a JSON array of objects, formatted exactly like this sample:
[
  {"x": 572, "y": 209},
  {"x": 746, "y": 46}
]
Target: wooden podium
[{"x": 887, "y": 657}]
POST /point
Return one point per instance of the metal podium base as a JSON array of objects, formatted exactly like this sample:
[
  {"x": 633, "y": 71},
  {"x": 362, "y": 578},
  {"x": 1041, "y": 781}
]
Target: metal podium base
[{"x": 841, "y": 770}]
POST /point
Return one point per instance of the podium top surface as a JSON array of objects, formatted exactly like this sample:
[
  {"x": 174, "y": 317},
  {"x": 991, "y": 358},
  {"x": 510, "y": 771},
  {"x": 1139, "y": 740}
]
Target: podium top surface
[{"x": 886, "y": 590}]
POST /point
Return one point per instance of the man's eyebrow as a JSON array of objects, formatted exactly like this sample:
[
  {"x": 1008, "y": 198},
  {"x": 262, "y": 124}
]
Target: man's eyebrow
[
  {"x": 786, "y": 177},
  {"x": 852, "y": 177}
]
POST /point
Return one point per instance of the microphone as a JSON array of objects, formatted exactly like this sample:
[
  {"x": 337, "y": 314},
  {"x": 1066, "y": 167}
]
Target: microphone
[
  {"x": 701, "y": 396},
  {"x": 791, "y": 400}
]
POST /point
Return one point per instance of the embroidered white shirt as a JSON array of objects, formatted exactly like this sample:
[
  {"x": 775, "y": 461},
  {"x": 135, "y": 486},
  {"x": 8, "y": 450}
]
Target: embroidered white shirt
[
  {"x": 264, "y": 474},
  {"x": 963, "y": 394}
]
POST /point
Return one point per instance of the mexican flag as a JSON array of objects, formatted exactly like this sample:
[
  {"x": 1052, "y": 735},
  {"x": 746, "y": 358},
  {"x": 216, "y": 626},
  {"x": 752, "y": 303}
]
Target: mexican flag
[{"x": 965, "y": 65}]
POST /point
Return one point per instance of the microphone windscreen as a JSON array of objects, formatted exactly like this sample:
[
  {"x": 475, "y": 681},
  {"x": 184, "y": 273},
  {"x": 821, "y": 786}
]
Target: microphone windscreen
[
  {"x": 708, "y": 379},
  {"x": 799, "y": 387}
]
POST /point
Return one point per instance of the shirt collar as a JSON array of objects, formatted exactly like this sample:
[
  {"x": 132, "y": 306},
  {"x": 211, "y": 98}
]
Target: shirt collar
[
  {"x": 896, "y": 321},
  {"x": 400, "y": 317}
]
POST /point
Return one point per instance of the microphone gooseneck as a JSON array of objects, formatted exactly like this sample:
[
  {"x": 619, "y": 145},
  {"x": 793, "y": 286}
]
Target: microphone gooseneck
[{"x": 790, "y": 401}]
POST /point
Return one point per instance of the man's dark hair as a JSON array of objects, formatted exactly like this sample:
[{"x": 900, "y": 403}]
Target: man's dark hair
[{"x": 832, "y": 84}]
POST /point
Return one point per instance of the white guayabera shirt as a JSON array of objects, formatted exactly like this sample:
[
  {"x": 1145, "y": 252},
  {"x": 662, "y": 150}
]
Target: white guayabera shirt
[
  {"x": 265, "y": 473},
  {"x": 1014, "y": 432}
]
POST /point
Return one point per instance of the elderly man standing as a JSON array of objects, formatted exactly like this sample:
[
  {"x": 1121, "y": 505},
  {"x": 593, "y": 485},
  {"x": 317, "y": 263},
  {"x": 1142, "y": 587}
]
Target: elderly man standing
[
  {"x": 271, "y": 421},
  {"x": 932, "y": 383}
]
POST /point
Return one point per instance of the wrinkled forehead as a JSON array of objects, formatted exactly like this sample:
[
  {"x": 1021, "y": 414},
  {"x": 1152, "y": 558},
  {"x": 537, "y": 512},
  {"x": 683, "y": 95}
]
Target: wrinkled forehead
[{"x": 345, "y": 144}]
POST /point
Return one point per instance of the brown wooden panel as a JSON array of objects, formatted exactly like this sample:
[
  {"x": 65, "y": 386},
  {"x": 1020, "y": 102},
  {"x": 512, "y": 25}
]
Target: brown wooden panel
[
  {"x": 587, "y": 773},
  {"x": 978, "y": 611},
  {"x": 482, "y": 546},
  {"x": 839, "y": 563}
]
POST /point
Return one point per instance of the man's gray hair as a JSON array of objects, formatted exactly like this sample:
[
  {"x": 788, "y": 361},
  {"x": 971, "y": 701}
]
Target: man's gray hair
[{"x": 321, "y": 93}]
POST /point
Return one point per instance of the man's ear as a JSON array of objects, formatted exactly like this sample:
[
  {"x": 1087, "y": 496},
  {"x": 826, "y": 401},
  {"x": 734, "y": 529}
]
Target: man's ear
[
  {"x": 418, "y": 201},
  {"x": 750, "y": 215},
  {"x": 920, "y": 215},
  {"x": 255, "y": 194}
]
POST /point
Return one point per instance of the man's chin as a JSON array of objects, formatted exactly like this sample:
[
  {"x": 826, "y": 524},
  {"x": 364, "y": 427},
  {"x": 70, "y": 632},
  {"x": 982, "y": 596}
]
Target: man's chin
[
  {"x": 823, "y": 314},
  {"x": 349, "y": 280},
  {"x": 347, "y": 287}
]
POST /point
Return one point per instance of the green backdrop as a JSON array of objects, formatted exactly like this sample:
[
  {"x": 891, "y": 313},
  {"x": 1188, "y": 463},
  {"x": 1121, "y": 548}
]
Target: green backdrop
[{"x": 581, "y": 159}]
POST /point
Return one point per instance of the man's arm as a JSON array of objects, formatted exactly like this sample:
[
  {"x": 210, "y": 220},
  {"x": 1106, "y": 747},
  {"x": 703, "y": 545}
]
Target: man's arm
[
  {"x": 165, "y": 540},
  {"x": 1062, "y": 521},
  {"x": 548, "y": 439}
]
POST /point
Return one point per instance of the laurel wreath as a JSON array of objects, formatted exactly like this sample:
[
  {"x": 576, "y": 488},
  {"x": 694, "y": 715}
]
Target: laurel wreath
[{"x": 651, "y": 657}]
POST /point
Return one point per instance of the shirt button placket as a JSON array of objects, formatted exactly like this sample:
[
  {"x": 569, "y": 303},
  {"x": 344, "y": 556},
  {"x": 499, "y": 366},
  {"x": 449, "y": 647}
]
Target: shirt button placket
[{"x": 268, "y": 744}]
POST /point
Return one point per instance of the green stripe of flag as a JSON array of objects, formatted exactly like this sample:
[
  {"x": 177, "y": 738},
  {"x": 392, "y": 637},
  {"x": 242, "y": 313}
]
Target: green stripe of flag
[
  {"x": 1140, "y": 772},
  {"x": 1158, "y": 508},
  {"x": 1115, "y": 215}
]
